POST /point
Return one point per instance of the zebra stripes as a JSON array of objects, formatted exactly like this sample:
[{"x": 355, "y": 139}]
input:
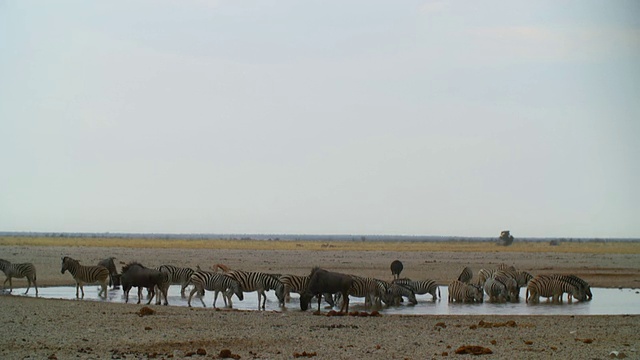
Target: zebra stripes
[
  {"x": 299, "y": 284},
  {"x": 496, "y": 290},
  {"x": 421, "y": 287},
  {"x": 260, "y": 282},
  {"x": 178, "y": 276},
  {"x": 551, "y": 286},
  {"x": 396, "y": 292},
  {"x": 18, "y": 271},
  {"x": 86, "y": 275},
  {"x": 466, "y": 275},
  {"x": 366, "y": 288},
  {"x": 295, "y": 283},
  {"x": 217, "y": 282},
  {"x": 462, "y": 292}
]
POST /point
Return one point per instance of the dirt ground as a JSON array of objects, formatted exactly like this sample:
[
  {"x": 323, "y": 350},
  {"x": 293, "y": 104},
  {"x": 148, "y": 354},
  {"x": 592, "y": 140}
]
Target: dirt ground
[{"x": 46, "y": 328}]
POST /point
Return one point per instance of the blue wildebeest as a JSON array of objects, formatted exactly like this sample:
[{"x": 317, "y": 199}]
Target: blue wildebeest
[
  {"x": 322, "y": 281},
  {"x": 114, "y": 277},
  {"x": 135, "y": 274}
]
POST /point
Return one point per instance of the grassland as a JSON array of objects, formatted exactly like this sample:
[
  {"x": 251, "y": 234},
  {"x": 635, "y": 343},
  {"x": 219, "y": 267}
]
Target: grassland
[{"x": 621, "y": 247}]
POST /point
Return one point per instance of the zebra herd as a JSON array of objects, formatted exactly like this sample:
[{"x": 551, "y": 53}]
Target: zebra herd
[{"x": 501, "y": 284}]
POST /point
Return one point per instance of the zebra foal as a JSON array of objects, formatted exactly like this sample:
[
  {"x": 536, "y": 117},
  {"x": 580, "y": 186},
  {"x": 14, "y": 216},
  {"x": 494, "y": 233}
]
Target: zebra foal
[
  {"x": 86, "y": 275},
  {"x": 18, "y": 271}
]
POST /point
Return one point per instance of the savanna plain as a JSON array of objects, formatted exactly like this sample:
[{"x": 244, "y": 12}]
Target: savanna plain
[{"x": 40, "y": 328}]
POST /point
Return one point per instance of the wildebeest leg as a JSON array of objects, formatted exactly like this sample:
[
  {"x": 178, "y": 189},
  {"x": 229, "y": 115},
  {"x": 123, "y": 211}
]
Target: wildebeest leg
[{"x": 153, "y": 293}]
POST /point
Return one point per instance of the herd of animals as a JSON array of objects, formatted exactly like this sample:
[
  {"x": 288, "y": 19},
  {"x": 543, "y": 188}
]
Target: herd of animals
[{"x": 501, "y": 284}]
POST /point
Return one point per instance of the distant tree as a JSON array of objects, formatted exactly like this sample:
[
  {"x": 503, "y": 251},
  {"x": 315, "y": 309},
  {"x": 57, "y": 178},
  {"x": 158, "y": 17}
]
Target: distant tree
[{"x": 505, "y": 238}]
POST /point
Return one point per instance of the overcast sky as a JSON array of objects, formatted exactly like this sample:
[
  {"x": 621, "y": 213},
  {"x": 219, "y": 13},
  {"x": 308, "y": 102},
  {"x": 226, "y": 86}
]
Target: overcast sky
[{"x": 321, "y": 117}]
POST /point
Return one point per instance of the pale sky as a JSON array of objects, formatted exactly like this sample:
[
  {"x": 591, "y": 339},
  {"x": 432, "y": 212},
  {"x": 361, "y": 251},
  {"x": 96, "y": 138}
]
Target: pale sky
[{"x": 459, "y": 118}]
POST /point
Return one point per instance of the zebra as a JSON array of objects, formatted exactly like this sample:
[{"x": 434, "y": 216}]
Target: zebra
[
  {"x": 462, "y": 292},
  {"x": 421, "y": 287},
  {"x": 483, "y": 275},
  {"x": 582, "y": 285},
  {"x": 295, "y": 283},
  {"x": 178, "y": 276},
  {"x": 550, "y": 286},
  {"x": 504, "y": 266},
  {"x": 365, "y": 287},
  {"x": 260, "y": 282},
  {"x": 19, "y": 271},
  {"x": 395, "y": 292},
  {"x": 466, "y": 275},
  {"x": 496, "y": 290},
  {"x": 511, "y": 285},
  {"x": 86, "y": 275},
  {"x": 217, "y": 282}
]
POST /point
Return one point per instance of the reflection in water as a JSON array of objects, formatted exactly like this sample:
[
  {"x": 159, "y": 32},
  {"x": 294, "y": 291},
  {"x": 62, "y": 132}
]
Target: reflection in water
[{"x": 605, "y": 302}]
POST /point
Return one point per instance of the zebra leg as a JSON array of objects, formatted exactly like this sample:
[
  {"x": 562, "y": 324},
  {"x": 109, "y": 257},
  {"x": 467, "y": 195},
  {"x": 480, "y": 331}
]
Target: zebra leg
[
  {"x": 10, "y": 284},
  {"x": 193, "y": 291},
  {"x": 182, "y": 290},
  {"x": 228, "y": 294}
]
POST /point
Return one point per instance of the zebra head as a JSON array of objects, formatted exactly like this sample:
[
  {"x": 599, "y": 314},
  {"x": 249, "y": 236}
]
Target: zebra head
[
  {"x": 235, "y": 287},
  {"x": 65, "y": 264}
]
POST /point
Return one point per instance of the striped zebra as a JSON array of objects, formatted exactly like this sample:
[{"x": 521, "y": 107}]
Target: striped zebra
[
  {"x": 550, "y": 286},
  {"x": 383, "y": 294},
  {"x": 178, "y": 276},
  {"x": 86, "y": 275},
  {"x": 18, "y": 271},
  {"x": 496, "y": 290},
  {"x": 462, "y": 292},
  {"x": 366, "y": 288},
  {"x": 421, "y": 287},
  {"x": 259, "y": 282},
  {"x": 217, "y": 282},
  {"x": 483, "y": 275},
  {"x": 504, "y": 266},
  {"x": 466, "y": 275},
  {"x": 513, "y": 291},
  {"x": 299, "y": 284},
  {"x": 396, "y": 292},
  {"x": 521, "y": 277},
  {"x": 582, "y": 285}
]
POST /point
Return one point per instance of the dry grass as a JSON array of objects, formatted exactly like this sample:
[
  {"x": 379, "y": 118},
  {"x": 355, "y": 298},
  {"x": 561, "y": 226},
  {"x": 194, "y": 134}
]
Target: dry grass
[{"x": 452, "y": 246}]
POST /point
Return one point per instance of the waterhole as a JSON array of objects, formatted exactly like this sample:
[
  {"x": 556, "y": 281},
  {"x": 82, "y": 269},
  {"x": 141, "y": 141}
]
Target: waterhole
[{"x": 606, "y": 301}]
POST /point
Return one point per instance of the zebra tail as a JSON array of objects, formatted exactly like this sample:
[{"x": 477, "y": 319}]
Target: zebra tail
[{"x": 526, "y": 295}]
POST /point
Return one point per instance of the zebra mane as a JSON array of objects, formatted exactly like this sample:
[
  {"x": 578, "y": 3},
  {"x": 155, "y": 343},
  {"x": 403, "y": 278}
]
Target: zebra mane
[{"x": 68, "y": 258}]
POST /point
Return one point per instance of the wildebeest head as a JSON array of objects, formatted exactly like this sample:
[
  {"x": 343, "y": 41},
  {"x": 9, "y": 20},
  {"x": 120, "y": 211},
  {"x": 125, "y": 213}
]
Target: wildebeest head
[{"x": 305, "y": 300}]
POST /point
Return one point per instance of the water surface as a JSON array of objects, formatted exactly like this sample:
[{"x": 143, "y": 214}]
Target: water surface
[{"x": 605, "y": 301}]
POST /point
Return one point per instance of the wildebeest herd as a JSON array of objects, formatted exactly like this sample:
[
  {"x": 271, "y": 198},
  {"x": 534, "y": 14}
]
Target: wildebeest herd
[{"x": 501, "y": 284}]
